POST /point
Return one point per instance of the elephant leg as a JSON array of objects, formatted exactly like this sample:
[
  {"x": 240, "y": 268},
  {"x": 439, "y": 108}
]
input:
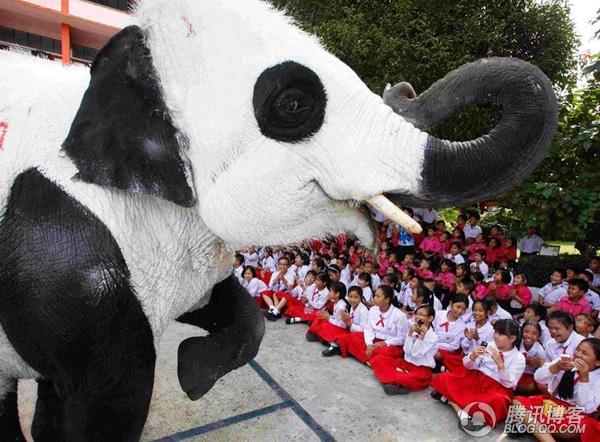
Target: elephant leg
[
  {"x": 236, "y": 328},
  {"x": 48, "y": 417},
  {"x": 9, "y": 413}
]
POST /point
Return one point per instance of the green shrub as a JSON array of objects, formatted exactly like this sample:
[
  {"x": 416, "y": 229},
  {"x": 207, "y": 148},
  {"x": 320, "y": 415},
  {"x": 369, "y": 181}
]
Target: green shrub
[{"x": 538, "y": 268}]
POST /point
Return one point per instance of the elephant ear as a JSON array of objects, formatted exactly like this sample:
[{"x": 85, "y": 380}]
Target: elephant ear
[{"x": 122, "y": 135}]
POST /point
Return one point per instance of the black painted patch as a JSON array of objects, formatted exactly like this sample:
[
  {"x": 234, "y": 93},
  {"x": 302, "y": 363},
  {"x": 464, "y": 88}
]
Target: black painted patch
[
  {"x": 68, "y": 308},
  {"x": 123, "y": 135},
  {"x": 289, "y": 102},
  {"x": 236, "y": 328},
  {"x": 10, "y": 428}
]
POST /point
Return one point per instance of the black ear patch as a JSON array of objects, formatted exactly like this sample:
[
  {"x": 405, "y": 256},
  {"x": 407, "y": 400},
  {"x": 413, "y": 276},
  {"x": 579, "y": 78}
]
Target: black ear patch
[
  {"x": 289, "y": 102},
  {"x": 122, "y": 135}
]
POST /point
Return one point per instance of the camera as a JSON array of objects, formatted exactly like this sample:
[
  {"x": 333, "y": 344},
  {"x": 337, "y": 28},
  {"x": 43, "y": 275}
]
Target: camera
[
  {"x": 420, "y": 322},
  {"x": 484, "y": 344}
]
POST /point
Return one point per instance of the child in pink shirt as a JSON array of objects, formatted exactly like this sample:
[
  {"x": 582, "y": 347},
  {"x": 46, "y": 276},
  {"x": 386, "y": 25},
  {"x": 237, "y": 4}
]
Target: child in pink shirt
[
  {"x": 423, "y": 270},
  {"x": 574, "y": 303},
  {"x": 519, "y": 294},
  {"x": 445, "y": 279},
  {"x": 480, "y": 289},
  {"x": 430, "y": 246},
  {"x": 479, "y": 244}
]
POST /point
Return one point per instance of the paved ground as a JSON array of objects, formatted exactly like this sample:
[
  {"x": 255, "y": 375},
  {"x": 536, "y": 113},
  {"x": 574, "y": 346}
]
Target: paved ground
[{"x": 290, "y": 392}]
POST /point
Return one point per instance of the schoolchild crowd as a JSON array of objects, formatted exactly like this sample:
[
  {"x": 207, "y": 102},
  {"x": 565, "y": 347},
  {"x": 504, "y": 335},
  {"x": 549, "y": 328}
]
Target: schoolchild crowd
[{"x": 444, "y": 310}]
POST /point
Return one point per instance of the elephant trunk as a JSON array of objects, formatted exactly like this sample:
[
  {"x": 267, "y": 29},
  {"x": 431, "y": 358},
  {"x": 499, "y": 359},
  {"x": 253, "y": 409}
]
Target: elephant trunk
[{"x": 456, "y": 173}]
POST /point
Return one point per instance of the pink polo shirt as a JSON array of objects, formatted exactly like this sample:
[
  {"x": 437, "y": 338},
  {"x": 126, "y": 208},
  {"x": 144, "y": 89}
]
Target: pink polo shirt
[
  {"x": 446, "y": 279},
  {"x": 481, "y": 291},
  {"x": 574, "y": 308}
]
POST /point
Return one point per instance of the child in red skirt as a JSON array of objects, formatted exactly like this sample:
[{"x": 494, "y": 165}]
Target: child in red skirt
[
  {"x": 413, "y": 371},
  {"x": 354, "y": 319},
  {"x": 535, "y": 356},
  {"x": 477, "y": 331},
  {"x": 492, "y": 374},
  {"x": 305, "y": 309},
  {"x": 572, "y": 382},
  {"x": 328, "y": 327},
  {"x": 385, "y": 331},
  {"x": 449, "y": 327},
  {"x": 254, "y": 285}
]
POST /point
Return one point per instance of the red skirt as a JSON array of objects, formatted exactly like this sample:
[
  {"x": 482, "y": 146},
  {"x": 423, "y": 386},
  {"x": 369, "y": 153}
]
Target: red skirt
[
  {"x": 452, "y": 361},
  {"x": 592, "y": 429},
  {"x": 526, "y": 379},
  {"x": 465, "y": 387},
  {"x": 296, "y": 309},
  {"x": 400, "y": 372},
  {"x": 354, "y": 344},
  {"x": 326, "y": 330},
  {"x": 534, "y": 404}
]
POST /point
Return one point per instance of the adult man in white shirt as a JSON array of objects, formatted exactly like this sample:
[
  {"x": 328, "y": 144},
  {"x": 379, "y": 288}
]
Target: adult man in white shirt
[
  {"x": 426, "y": 215},
  {"x": 531, "y": 243},
  {"x": 472, "y": 229}
]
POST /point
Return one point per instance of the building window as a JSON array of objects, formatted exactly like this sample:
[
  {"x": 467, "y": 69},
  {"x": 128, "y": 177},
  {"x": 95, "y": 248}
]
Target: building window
[{"x": 122, "y": 5}]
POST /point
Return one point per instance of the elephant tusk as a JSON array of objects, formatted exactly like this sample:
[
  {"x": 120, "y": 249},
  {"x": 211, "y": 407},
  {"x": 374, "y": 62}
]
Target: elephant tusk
[{"x": 394, "y": 213}]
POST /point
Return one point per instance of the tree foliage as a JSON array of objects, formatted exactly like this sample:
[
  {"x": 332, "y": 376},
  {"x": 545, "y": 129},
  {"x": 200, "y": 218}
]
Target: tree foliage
[{"x": 419, "y": 41}]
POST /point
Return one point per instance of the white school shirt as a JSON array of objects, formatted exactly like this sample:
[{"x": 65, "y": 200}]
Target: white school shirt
[
  {"x": 390, "y": 326},
  {"x": 375, "y": 281},
  {"x": 456, "y": 259},
  {"x": 238, "y": 273},
  {"x": 486, "y": 334},
  {"x": 421, "y": 352},
  {"x": 251, "y": 259},
  {"x": 336, "y": 318},
  {"x": 536, "y": 351},
  {"x": 500, "y": 314},
  {"x": 585, "y": 394},
  {"x": 593, "y": 298},
  {"x": 449, "y": 333},
  {"x": 346, "y": 275},
  {"x": 545, "y": 332},
  {"x": 302, "y": 271},
  {"x": 367, "y": 293},
  {"x": 483, "y": 268},
  {"x": 317, "y": 298},
  {"x": 405, "y": 293},
  {"x": 531, "y": 244},
  {"x": 596, "y": 280},
  {"x": 255, "y": 286},
  {"x": 472, "y": 231},
  {"x": 467, "y": 316},
  {"x": 278, "y": 286},
  {"x": 514, "y": 366},
  {"x": 269, "y": 263},
  {"x": 360, "y": 317},
  {"x": 551, "y": 294},
  {"x": 554, "y": 348}
]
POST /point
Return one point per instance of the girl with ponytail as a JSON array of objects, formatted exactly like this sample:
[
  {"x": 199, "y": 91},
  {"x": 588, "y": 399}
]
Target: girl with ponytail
[{"x": 572, "y": 382}]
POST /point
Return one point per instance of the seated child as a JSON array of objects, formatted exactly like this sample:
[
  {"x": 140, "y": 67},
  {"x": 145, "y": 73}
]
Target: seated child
[
  {"x": 479, "y": 265},
  {"x": 500, "y": 288},
  {"x": 329, "y": 326},
  {"x": 253, "y": 285},
  {"x": 519, "y": 295},
  {"x": 585, "y": 325},
  {"x": 449, "y": 327},
  {"x": 551, "y": 293},
  {"x": 537, "y": 312},
  {"x": 492, "y": 374},
  {"x": 364, "y": 282},
  {"x": 454, "y": 255},
  {"x": 384, "y": 333},
  {"x": 574, "y": 303},
  {"x": 355, "y": 320},
  {"x": 423, "y": 271},
  {"x": 480, "y": 289},
  {"x": 305, "y": 309},
  {"x": 496, "y": 312},
  {"x": 282, "y": 281},
  {"x": 413, "y": 371},
  {"x": 572, "y": 382},
  {"x": 535, "y": 356}
]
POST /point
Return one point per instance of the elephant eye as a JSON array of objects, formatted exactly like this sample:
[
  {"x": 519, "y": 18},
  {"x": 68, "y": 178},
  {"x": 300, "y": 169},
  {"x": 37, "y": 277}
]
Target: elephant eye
[{"x": 289, "y": 102}]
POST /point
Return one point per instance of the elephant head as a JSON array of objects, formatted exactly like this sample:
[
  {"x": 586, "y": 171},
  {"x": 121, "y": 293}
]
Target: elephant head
[{"x": 228, "y": 109}]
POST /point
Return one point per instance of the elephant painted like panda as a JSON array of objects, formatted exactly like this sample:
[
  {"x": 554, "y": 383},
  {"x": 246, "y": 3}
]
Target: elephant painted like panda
[{"x": 202, "y": 127}]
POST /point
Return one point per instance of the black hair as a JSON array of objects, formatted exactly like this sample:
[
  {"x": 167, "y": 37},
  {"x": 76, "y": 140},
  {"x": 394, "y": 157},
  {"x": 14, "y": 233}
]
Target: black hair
[
  {"x": 495, "y": 239},
  {"x": 366, "y": 276},
  {"x": 358, "y": 290},
  {"x": 311, "y": 272},
  {"x": 459, "y": 297},
  {"x": 388, "y": 293},
  {"x": 457, "y": 244},
  {"x": 475, "y": 215},
  {"x": 340, "y": 288},
  {"x": 477, "y": 276},
  {"x": 566, "y": 386},
  {"x": 240, "y": 258},
  {"x": 535, "y": 324},
  {"x": 451, "y": 264},
  {"x": 426, "y": 294},
  {"x": 580, "y": 284},
  {"x": 284, "y": 257},
  {"x": 505, "y": 274},
  {"x": 462, "y": 216},
  {"x": 391, "y": 278},
  {"x": 484, "y": 304},
  {"x": 587, "y": 273},
  {"x": 491, "y": 300},
  {"x": 320, "y": 263},
  {"x": 563, "y": 272},
  {"x": 524, "y": 275},
  {"x": 538, "y": 309},
  {"x": 563, "y": 317},
  {"x": 411, "y": 272},
  {"x": 481, "y": 252},
  {"x": 509, "y": 327},
  {"x": 430, "y": 311},
  {"x": 323, "y": 277},
  {"x": 469, "y": 285},
  {"x": 305, "y": 260},
  {"x": 252, "y": 269}
]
